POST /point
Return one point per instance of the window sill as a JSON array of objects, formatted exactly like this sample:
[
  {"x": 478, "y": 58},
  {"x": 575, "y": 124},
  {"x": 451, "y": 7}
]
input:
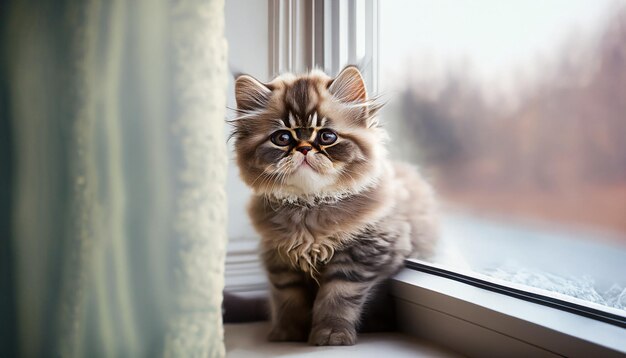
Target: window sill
[
  {"x": 477, "y": 322},
  {"x": 248, "y": 340}
]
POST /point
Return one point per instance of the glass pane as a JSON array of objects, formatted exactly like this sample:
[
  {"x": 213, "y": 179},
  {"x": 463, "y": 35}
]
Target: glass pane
[{"x": 516, "y": 110}]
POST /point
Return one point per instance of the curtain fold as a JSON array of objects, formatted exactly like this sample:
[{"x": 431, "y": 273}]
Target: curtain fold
[{"x": 114, "y": 112}]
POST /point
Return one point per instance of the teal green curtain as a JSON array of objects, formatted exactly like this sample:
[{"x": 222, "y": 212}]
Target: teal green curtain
[{"x": 113, "y": 175}]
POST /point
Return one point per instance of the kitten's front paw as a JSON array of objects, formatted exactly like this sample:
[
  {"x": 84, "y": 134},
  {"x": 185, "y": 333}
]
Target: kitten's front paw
[
  {"x": 278, "y": 334},
  {"x": 332, "y": 336}
]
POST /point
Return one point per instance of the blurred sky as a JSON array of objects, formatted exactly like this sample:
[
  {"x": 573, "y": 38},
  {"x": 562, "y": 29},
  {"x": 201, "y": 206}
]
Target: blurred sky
[{"x": 498, "y": 41}]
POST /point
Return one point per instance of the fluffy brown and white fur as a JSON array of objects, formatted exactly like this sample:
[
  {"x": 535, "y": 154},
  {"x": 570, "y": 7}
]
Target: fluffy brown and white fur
[{"x": 336, "y": 216}]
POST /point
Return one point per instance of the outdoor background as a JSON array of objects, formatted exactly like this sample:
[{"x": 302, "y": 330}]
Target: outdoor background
[{"x": 513, "y": 108}]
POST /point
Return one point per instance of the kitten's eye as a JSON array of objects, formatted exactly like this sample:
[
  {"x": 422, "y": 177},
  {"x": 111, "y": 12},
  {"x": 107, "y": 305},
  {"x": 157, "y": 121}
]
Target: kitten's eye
[
  {"x": 281, "y": 138},
  {"x": 327, "y": 137}
]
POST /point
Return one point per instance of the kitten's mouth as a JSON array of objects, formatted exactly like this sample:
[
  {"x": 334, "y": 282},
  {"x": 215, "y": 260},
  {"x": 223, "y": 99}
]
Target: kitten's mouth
[{"x": 305, "y": 164}]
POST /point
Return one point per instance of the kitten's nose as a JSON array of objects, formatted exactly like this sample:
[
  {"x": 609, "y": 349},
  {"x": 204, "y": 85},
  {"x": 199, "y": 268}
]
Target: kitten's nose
[{"x": 304, "y": 149}]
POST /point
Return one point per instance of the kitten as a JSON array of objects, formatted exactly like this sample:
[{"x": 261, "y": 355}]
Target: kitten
[{"x": 336, "y": 217}]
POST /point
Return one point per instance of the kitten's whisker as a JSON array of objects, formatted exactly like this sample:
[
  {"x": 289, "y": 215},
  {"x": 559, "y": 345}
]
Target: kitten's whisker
[
  {"x": 257, "y": 178},
  {"x": 347, "y": 172}
]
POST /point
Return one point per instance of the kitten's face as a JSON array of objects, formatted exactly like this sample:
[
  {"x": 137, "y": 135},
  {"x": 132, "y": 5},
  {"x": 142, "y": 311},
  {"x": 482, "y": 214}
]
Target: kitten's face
[{"x": 307, "y": 136}]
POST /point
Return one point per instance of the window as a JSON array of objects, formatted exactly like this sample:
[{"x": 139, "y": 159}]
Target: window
[{"x": 516, "y": 110}]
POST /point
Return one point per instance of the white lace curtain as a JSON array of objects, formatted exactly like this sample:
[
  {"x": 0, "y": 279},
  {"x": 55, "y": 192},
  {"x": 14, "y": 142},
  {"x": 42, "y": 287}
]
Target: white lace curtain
[{"x": 113, "y": 117}]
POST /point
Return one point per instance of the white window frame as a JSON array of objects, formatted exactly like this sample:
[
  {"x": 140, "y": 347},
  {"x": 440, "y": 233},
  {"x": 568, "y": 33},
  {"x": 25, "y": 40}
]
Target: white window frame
[
  {"x": 324, "y": 34},
  {"x": 475, "y": 321}
]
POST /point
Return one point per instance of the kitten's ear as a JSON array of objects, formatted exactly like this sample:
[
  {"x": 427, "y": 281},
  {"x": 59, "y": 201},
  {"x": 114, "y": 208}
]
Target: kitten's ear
[
  {"x": 349, "y": 86},
  {"x": 250, "y": 93}
]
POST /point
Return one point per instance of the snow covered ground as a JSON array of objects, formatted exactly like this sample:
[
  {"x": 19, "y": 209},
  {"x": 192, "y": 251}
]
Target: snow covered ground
[{"x": 579, "y": 264}]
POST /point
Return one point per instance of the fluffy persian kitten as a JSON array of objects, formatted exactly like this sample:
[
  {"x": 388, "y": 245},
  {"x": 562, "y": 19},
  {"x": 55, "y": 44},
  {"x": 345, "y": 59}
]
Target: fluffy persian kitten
[{"x": 336, "y": 216}]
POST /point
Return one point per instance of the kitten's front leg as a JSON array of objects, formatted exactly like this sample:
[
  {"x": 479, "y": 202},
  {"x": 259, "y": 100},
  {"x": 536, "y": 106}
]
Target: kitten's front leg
[
  {"x": 344, "y": 289},
  {"x": 347, "y": 282},
  {"x": 291, "y": 302}
]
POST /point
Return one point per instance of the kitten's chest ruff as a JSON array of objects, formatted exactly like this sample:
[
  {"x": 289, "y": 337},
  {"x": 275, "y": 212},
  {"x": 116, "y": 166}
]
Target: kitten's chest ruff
[
  {"x": 306, "y": 235},
  {"x": 307, "y": 245}
]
